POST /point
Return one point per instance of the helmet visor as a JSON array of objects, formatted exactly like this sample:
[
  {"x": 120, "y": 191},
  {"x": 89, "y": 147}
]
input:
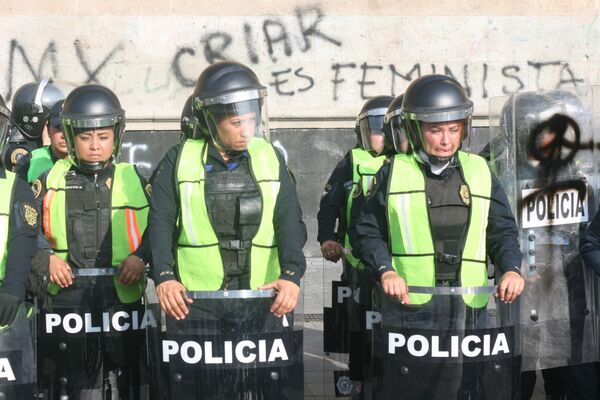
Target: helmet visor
[
  {"x": 371, "y": 130},
  {"x": 399, "y": 138},
  {"x": 73, "y": 127},
  {"x": 236, "y": 119}
]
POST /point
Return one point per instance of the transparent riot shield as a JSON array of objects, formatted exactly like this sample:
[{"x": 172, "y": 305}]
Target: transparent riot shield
[
  {"x": 337, "y": 307},
  {"x": 17, "y": 357},
  {"x": 444, "y": 349},
  {"x": 229, "y": 346},
  {"x": 543, "y": 154},
  {"x": 90, "y": 344}
]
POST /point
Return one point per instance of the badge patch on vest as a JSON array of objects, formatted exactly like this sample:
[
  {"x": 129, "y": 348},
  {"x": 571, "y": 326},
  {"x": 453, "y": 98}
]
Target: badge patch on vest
[
  {"x": 371, "y": 182},
  {"x": 16, "y": 154},
  {"x": 30, "y": 214},
  {"x": 358, "y": 190},
  {"x": 36, "y": 187},
  {"x": 464, "y": 194}
]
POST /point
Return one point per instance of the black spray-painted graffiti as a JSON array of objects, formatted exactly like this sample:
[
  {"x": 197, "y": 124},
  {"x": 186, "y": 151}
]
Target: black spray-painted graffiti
[
  {"x": 274, "y": 42},
  {"x": 49, "y": 56}
]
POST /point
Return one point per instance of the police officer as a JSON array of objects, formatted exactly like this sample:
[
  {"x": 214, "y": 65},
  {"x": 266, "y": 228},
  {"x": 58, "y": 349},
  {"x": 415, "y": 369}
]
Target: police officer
[
  {"x": 94, "y": 213},
  {"x": 418, "y": 228},
  {"x": 19, "y": 224},
  {"x": 250, "y": 207},
  {"x": 31, "y": 166},
  {"x": 342, "y": 185},
  {"x": 18, "y": 230},
  {"x": 31, "y": 106},
  {"x": 436, "y": 113}
]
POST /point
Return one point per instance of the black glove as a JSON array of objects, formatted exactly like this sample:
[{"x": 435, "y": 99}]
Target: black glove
[{"x": 9, "y": 305}]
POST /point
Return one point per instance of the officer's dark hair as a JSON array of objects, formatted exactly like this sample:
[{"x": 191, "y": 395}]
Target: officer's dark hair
[
  {"x": 220, "y": 90},
  {"x": 188, "y": 119}
]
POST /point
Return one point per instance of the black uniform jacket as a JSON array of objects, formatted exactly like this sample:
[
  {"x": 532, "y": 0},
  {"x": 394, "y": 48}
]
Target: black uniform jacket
[
  {"x": 368, "y": 228},
  {"x": 22, "y": 245},
  {"x": 290, "y": 231},
  {"x": 334, "y": 200}
]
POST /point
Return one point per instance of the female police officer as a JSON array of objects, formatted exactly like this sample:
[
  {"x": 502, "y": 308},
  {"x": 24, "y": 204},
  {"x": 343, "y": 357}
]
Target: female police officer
[
  {"x": 431, "y": 219},
  {"x": 437, "y": 115},
  {"x": 228, "y": 200},
  {"x": 94, "y": 214}
]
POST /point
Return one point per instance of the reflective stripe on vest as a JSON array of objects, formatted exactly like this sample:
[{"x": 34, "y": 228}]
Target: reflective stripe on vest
[
  {"x": 129, "y": 215},
  {"x": 411, "y": 241},
  {"x": 7, "y": 186},
  {"x": 363, "y": 164},
  {"x": 199, "y": 262},
  {"x": 41, "y": 161}
]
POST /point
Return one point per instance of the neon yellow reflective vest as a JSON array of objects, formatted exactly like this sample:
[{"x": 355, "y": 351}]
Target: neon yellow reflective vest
[
  {"x": 410, "y": 240},
  {"x": 41, "y": 161},
  {"x": 364, "y": 167},
  {"x": 199, "y": 262},
  {"x": 7, "y": 186},
  {"x": 129, "y": 217}
]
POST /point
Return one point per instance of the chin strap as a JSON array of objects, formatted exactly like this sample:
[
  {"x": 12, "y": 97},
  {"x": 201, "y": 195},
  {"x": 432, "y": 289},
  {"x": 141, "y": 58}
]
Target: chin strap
[{"x": 92, "y": 167}]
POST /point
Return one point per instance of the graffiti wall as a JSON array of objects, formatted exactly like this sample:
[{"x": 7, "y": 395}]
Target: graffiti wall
[{"x": 318, "y": 63}]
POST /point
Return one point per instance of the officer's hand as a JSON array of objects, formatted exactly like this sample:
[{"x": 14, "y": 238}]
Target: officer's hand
[
  {"x": 394, "y": 285},
  {"x": 130, "y": 270},
  {"x": 287, "y": 296},
  {"x": 332, "y": 250},
  {"x": 9, "y": 305},
  {"x": 60, "y": 272},
  {"x": 510, "y": 287},
  {"x": 173, "y": 300}
]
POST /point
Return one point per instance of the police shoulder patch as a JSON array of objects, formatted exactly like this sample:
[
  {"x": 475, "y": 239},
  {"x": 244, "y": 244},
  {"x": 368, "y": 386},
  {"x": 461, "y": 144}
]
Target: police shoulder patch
[
  {"x": 36, "y": 187},
  {"x": 16, "y": 154},
  {"x": 30, "y": 214}
]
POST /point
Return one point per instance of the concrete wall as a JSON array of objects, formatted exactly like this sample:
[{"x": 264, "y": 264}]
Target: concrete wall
[{"x": 319, "y": 59}]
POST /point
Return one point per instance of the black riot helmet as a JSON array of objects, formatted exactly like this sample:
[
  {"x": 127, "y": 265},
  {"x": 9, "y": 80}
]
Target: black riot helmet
[
  {"x": 395, "y": 138},
  {"x": 188, "y": 119},
  {"x": 87, "y": 108},
  {"x": 5, "y": 118},
  {"x": 32, "y": 103},
  {"x": 229, "y": 105},
  {"x": 430, "y": 99},
  {"x": 369, "y": 122}
]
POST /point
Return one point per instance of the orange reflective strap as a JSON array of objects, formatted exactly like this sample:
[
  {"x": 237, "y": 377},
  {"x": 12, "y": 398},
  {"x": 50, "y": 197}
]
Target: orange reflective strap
[
  {"x": 133, "y": 231},
  {"x": 47, "y": 223}
]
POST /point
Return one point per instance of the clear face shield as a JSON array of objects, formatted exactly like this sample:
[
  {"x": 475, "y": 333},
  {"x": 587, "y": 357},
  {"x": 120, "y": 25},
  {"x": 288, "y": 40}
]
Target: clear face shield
[
  {"x": 234, "y": 119},
  {"x": 437, "y": 137},
  {"x": 399, "y": 139},
  {"x": 370, "y": 124},
  {"x": 75, "y": 126}
]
